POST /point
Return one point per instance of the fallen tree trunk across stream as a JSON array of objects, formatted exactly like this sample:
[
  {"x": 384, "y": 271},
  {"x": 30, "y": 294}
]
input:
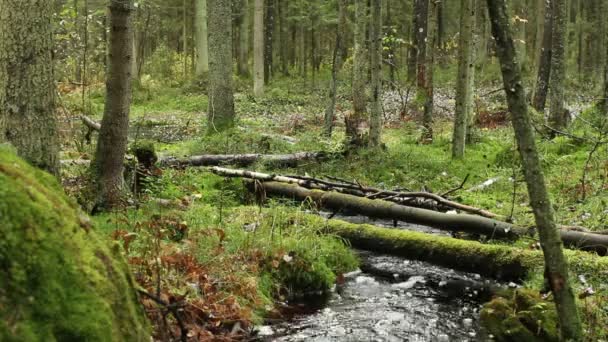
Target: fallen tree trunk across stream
[
  {"x": 497, "y": 261},
  {"x": 453, "y": 222}
]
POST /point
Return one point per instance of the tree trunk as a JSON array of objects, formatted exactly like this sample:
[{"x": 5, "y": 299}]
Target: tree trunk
[
  {"x": 466, "y": 76},
  {"x": 375, "y": 127},
  {"x": 558, "y": 113},
  {"x": 243, "y": 67},
  {"x": 221, "y": 98},
  {"x": 426, "y": 64},
  {"x": 556, "y": 265},
  {"x": 258, "y": 48},
  {"x": 268, "y": 40},
  {"x": 544, "y": 61},
  {"x": 243, "y": 159},
  {"x": 497, "y": 261},
  {"x": 283, "y": 34},
  {"x": 202, "y": 46},
  {"x": 355, "y": 120},
  {"x": 27, "y": 91},
  {"x": 419, "y": 33},
  {"x": 108, "y": 166}
]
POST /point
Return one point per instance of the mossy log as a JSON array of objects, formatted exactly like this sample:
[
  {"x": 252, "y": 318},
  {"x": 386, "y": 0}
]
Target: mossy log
[
  {"x": 453, "y": 222},
  {"x": 497, "y": 261},
  {"x": 284, "y": 160},
  {"x": 59, "y": 281}
]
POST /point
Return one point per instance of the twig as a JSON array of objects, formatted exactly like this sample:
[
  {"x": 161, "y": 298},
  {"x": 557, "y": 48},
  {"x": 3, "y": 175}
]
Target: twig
[
  {"x": 458, "y": 187},
  {"x": 174, "y": 309}
]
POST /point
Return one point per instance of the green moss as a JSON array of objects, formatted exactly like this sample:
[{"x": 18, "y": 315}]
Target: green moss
[
  {"x": 523, "y": 316},
  {"x": 58, "y": 280}
]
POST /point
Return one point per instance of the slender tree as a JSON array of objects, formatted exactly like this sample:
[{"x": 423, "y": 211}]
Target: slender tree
[
  {"x": 243, "y": 66},
  {"x": 27, "y": 91},
  {"x": 375, "y": 127},
  {"x": 466, "y": 76},
  {"x": 355, "y": 120},
  {"x": 426, "y": 64},
  {"x": 558, "y": 113},
  {"x": 556, "y": 266},
  {"x": 419, "y": 33},
  {"x": 258, "y": 48},
  {"x": 544, "y": 60},
  {"x": 221, "y": 96},
  {"x": 336, "y": 65},
  {"x": 108, "y": 166},
  {"x": 200, "y": 39}
]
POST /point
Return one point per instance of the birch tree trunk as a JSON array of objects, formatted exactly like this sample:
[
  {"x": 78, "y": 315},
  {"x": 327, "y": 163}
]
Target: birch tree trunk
[
  {"x": 558, "y": 113},
  {"x": 108, "y": 165},
  {"x": 556, "y": 265},
  {"x": 466, "y": 76},
  {"x": 258, "y": 48},
  {"x": 375, "y": 127},
  {"x": 221, "y": 97},
  {"x": 27, "y": 91},
  {"x": 200, "y": 39}
]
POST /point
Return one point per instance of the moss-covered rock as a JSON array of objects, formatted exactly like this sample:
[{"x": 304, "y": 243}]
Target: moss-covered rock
[
  {"x": 523, "y": 316},
  {"x": 58, "y": 280}
]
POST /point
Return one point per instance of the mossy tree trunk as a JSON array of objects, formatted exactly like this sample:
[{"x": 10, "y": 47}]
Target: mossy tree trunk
[
  {"x": 258, "y": 48},
  {"x": 375, "y": 127},
  {"x": 336, "y": 65},
  {"x": 466, "y": 76},
  {"x": 200, "y": 40},
  {"x": 556, "y": 265},
  {"x": 108, "y": 166},
  {"x": 243, "y": 63},
  {"x": 544, "y": 60},
  {"x": 558, "y": 113},
  {"x": 355, "y": 120},
  {"x": 27, "y": 91},
  {"x": 221, "y": 97}
]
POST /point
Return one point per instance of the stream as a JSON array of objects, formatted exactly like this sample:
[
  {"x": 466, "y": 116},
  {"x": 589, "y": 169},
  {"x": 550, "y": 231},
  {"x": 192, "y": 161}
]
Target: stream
[{"x": 390, "y": 299}]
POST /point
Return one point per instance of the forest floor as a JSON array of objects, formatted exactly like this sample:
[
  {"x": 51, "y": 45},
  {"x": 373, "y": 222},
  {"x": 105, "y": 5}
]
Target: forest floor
[{"x": 233, "y": 261}]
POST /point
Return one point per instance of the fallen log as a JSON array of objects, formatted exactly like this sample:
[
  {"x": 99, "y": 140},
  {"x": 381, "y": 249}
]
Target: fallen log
[
  {"x": 452, "y": 222},
  {"x": 286, "y": 160},
  {"x": 90, "y": 123},
  {"x": 395, "y": 196},
  {"x": 497, "y": 261}
]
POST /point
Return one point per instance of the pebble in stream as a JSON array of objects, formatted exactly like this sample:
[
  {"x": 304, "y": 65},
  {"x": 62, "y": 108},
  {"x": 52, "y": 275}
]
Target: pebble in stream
[{"x": 374, "y": 309}]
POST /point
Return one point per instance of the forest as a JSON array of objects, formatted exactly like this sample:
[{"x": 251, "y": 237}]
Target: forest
[{"x": 303, "y": 170}]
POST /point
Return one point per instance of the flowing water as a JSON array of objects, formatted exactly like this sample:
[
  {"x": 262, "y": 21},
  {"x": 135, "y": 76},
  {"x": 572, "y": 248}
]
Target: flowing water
[{"x": 392, "y": 299}]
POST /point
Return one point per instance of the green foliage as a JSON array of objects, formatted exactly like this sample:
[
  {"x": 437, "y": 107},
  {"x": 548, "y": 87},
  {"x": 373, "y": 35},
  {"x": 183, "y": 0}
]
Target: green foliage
[{"x": 58, "y": 280}]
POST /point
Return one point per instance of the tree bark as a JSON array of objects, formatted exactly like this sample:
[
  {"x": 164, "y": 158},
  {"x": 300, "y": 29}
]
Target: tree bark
[
  {"x": 244, "y": 33},
  {"x": 27, "y": 91},
  {"x": 355, "y": 120},
  {"x": 426, "y": 64},
  {"x": 419, "y": 33},
  {"x": 375, "y": 127},
  {"x": 221, "y": 97},
  {"x": 243, "y": 159},
  {"x": 269, "y": 20},
  {"x": 544, "y": 62},
  {"x": 466, "y": 76},
  {"x": 558, "y": 116},
  {"x": 258, "y": 48},
  {"x": 202, "y": 45},
  {"x": 108, "y": 165},
  {"x": 556, "y": 265},
  {"x": 336, "y": 64}
]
